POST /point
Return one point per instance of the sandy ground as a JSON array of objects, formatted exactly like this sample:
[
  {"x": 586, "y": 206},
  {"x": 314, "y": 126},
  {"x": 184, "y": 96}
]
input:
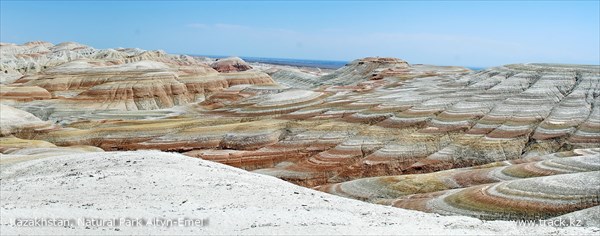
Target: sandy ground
[{"x": 153, "y": 185}]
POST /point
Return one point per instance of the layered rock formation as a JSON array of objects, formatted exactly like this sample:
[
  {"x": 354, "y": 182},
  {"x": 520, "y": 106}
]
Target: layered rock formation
[
  {"x": 359, "y": 72},
  {"x": 295, "y": 78},
  {"x": 374, "y": 117},
  {"x": 143, "y": 85},
  {"x": 72, "y": 75},
  {"x": 230, "y": 64},
  {"x": 23, "y": 93},
  {"x": 525, "y": 188}
]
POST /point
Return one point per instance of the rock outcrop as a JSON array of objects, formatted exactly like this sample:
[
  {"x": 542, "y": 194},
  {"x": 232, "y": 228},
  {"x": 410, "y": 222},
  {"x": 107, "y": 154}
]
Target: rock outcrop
[
  {"x": 230, "y": 64},
  {"x": 13, "y": 121},
  {"x": 376, "y": 68}
]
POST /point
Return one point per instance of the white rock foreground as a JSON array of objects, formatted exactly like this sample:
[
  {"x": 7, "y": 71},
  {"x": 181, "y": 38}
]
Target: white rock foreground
[{"x": 152, "y": 184}]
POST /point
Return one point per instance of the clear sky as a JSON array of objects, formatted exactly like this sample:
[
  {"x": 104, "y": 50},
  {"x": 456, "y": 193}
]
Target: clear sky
[{"x": 468, "y": 33}]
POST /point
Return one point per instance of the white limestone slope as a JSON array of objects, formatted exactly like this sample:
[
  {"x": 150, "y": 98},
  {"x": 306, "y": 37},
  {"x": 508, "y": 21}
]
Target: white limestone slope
[
  {"x": 152, "y": 184},
  {"x": 14, "y": 120}
]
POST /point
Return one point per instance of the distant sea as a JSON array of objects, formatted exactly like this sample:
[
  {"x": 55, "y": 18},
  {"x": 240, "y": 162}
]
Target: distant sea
[{"x": 324, "y": 64}]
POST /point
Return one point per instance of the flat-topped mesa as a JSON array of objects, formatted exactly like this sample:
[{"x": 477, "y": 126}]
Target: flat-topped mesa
[
  {"x": 382, "y": 60},
  {"x": 230, "y": 64},
  {"x": 360, "y": 71}
]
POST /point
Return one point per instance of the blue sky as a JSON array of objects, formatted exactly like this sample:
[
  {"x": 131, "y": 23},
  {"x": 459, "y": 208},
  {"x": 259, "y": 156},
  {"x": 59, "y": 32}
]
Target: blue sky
[{"x": 468, "y": 33}]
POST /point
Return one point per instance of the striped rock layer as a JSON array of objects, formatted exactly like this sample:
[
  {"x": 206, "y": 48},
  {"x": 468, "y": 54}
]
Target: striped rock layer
[
  {"x": 373, "y": 117},
  {"x": 383, "y": 127},
  {"x": 532, "y": 188},
  {"x": 73, "y": 78}
]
